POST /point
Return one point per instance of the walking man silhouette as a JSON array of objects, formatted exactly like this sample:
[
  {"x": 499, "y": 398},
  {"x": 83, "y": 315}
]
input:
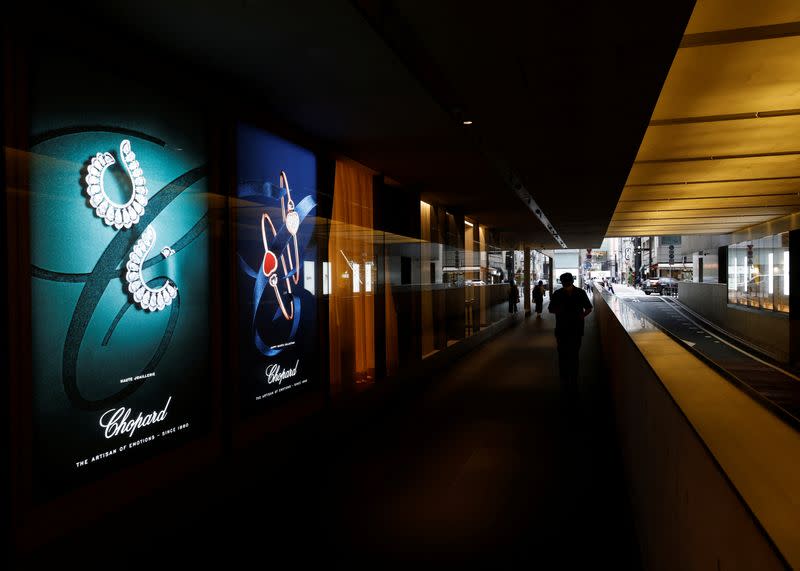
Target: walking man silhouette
[
  {"x": 513, "y": 296},
  {"x": 571, "y": 306},
  {"x": 538, "y": 297}
]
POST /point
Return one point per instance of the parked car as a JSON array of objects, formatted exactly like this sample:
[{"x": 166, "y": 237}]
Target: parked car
[{"x": 661, "y": 285}]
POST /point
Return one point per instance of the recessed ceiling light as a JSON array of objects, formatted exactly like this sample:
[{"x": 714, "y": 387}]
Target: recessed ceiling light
[{"x": 467, "y": 122}]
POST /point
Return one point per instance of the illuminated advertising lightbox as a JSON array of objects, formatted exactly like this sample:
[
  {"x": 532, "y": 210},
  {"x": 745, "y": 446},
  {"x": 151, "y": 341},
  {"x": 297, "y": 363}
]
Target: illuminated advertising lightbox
[
  {"x": 276, "y": 255},
  {"x": 119, "y": 254}
]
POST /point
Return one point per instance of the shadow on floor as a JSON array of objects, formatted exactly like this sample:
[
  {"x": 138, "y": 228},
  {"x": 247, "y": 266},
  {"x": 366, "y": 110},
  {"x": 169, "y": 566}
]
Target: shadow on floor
[{"x": 488, "y": 465}]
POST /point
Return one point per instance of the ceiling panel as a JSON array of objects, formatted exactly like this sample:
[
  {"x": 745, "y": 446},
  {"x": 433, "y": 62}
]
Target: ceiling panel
[
  {"x": 709, "y": 203},
  {"x": 743, "y": 77},
  {"x": 722, "y": 150},
  {"x": 676, "y": 172},
  {"x": 665, "y": 231},
  {"x": 721, "y": 138},
  {"x": 618, "y": 225},
  {"x": 772, "y": 211},
  {"x": 650, "y": 229},
  {"x": 716, "y": 15},
  {"x": 785, "y": 186}
]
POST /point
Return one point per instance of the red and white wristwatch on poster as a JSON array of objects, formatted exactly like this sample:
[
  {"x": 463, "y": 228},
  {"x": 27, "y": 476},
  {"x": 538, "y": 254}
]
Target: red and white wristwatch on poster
[
  {"x": 292, "y": 221},
  {"x": 269, "y": 266}
]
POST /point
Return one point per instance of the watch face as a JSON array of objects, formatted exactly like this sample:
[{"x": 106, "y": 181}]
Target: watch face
[{"x": 292, "y": 222}]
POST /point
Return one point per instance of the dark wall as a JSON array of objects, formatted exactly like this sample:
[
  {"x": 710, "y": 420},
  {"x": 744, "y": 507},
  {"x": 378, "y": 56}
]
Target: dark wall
[{"x": 397, "y": 232}]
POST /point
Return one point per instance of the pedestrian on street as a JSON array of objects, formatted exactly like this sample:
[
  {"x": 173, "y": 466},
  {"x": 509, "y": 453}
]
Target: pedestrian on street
[
  {"x": 513, "y": 296},
  {"x": 571, "y": 306},
  {"x": 538, "y": 297}
]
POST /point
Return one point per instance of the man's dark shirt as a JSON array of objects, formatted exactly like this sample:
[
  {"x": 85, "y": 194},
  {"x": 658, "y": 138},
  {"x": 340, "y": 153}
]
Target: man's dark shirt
[{"x": 569, "y": 309}]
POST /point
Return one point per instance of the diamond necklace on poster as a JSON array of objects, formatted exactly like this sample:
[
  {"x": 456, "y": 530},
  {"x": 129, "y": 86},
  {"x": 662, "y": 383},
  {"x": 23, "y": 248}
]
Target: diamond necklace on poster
[
  {"x": 126, "y": 216},
  {"x": 107, "y": 268}
]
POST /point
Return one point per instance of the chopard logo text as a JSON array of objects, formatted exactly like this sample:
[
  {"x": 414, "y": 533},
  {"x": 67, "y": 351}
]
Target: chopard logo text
[
  {"x": 116, "y": 421},
  {"x": 277, "y": 375}
]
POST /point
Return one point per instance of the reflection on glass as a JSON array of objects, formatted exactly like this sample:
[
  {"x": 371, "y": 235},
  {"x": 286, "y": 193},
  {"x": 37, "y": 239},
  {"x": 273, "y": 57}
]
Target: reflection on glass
[
  {"x": 326, "y": 278},
  {"x": 786, "y": 273},
  {"x": 351, "y": 311},
  {"x": 308, "y": 276},
  {"x": 770, "y": 277},
  {"x": 746, "y": 274},
  {"x": 753, "y": 272},
  {"x": 356, "y": 278}
]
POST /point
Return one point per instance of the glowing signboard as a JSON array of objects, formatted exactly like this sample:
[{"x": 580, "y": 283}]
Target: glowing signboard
[
  {"x": 276, "y": 256},
  {"x": 119, "y": 286}
]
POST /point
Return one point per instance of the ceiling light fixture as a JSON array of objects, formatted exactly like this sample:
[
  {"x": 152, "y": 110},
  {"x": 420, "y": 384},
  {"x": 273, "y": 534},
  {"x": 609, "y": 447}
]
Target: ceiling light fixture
[{"x": 467, "y": 122}]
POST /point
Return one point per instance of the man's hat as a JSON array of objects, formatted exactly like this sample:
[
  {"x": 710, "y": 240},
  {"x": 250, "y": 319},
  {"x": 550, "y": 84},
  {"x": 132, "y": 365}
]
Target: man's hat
[{"x": 566, "y": 278}]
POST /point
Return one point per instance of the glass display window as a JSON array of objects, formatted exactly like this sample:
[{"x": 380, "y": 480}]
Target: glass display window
[{"x": 758, "y": 273}]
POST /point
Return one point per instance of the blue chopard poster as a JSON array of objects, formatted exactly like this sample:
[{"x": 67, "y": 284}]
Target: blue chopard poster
[{"x": 276, "y": 274}]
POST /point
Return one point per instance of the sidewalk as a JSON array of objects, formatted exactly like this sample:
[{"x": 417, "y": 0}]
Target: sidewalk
[{"x": 623, "y": 290}]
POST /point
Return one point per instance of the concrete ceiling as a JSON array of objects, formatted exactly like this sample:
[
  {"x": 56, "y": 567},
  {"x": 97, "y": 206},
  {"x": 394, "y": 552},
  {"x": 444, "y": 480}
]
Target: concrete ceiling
[
  {"x": 559, "y": 95},
  {"x": 722, "y": 150}
]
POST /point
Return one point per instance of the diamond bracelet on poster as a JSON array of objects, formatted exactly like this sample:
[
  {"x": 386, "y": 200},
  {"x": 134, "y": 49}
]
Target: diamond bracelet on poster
[{"x": 276, "y": 259}]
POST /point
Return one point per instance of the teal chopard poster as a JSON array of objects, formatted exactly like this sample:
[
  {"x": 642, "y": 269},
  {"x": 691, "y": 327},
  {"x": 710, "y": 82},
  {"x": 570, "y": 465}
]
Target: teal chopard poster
[{"x": 119, "y": 278}]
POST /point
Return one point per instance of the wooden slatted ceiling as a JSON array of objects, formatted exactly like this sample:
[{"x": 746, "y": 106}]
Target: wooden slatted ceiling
[{"x": 722, "y": 151}]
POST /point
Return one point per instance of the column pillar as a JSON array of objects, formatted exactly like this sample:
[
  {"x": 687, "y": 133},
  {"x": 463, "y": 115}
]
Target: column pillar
[{"x": 526, "y": 282}]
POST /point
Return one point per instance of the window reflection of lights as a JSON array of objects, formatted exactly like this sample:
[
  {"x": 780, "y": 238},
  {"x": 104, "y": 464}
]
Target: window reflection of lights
[
  {"x": 770, "y": 274},
  {"x": 356, "y": 278},
  {"x": 368, "y": 276},
  {"x": 326, "y": 278},
  {"x": 786, "y": 272},
  {"x": 309, "y": 276},
  {"x": 746, "y": 277}
]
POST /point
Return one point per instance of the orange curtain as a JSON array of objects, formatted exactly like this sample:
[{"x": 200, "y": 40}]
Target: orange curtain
[
  {"x": 428, "y": 341},
  {"x": 350, "y": 251}
]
